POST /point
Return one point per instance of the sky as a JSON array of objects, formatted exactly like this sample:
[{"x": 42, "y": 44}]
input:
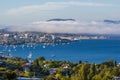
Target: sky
[{"x": 26, "y": 12}]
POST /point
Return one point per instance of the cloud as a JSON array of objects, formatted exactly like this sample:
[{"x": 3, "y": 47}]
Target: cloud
[
  {"x": 51, "y": 6},
  {"x": 31, "y": 9},
  {"x": 71, "y": 3},
  {"x": 92, "y": 27}
]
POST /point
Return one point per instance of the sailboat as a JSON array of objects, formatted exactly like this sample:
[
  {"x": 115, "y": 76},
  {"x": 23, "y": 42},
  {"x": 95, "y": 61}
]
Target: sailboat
[
  {"x": 43, "y": 46},
  {"x": 30, "y": 55}
]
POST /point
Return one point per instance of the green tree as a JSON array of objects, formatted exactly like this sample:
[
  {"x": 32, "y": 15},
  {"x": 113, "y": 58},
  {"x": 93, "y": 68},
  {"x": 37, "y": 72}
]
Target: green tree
[
  {"x": 84, "y": 72},
  {"x": 92, "y": 72}
]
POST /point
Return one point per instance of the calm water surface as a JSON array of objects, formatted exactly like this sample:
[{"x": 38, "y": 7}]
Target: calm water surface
[{"x": 86, "y": 50}]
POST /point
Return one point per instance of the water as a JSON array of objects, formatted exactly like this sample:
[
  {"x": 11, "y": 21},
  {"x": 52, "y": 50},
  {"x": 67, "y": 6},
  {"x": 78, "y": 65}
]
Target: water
[{"x": 85, "y": 50}]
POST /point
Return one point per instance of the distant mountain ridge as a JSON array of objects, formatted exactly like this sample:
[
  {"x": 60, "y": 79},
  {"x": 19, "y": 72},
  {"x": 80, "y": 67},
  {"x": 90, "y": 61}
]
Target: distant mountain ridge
[
  {"x": 112, "y": 21},
  {"x": 59, "y": 19}
]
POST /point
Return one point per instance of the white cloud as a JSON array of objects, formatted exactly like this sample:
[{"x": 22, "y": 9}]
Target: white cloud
[
  {"x": 33, "y": 8},
  {"x": 71, "y": 3},
  {"x": 70, "y": 27},
  {"x": 51, "y": 6}
]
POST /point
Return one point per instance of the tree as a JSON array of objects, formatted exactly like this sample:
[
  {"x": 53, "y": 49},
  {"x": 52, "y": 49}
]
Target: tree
[
  {"x": 84, "y": 72},
  {"x": 92, "y": 71},
  {"x": 41, "y": 58},
  {"x": 58, "y": 76},
  {"x": 27, "y": 74},
  {"x": 11, "y": 75}
]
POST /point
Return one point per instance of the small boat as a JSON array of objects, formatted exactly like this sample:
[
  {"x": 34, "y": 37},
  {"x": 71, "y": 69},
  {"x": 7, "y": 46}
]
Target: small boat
[
  {"x": 23, "y": 46},
  {"x": 43, "y": 46},
  {"x": 52, "y": 55},
  {"x": 14, "y": 47},
  {"x": 9, "y": 50},
  {"x": 30, "y": 55}
]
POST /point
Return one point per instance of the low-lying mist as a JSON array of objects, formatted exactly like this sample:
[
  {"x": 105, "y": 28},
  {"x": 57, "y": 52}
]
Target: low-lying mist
[{"x": 93, "y": 27}]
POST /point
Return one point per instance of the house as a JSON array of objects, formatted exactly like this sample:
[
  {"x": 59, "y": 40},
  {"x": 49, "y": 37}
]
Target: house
[
  {"x": 26, "y": 66},
  {"x": 116, "y": 78},
  {"x": 46, "y": 66},
  {"x": 52, "y": 70},
  {"x": 65, "y": 66}
]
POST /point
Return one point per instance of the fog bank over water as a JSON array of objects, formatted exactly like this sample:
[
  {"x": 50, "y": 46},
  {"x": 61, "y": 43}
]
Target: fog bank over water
[{"x": 92, "y": 27}]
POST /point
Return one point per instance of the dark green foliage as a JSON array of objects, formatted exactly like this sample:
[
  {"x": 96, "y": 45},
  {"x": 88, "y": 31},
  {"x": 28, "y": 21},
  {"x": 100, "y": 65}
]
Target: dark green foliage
[{"x": 11, "y": 68}]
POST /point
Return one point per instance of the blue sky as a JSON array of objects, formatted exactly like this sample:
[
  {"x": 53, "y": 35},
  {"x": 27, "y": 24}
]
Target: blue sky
[{"x": 26, "y": 11}]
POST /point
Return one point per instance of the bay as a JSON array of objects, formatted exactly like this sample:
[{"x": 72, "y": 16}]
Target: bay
[{"x": 93, "y": 51}]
